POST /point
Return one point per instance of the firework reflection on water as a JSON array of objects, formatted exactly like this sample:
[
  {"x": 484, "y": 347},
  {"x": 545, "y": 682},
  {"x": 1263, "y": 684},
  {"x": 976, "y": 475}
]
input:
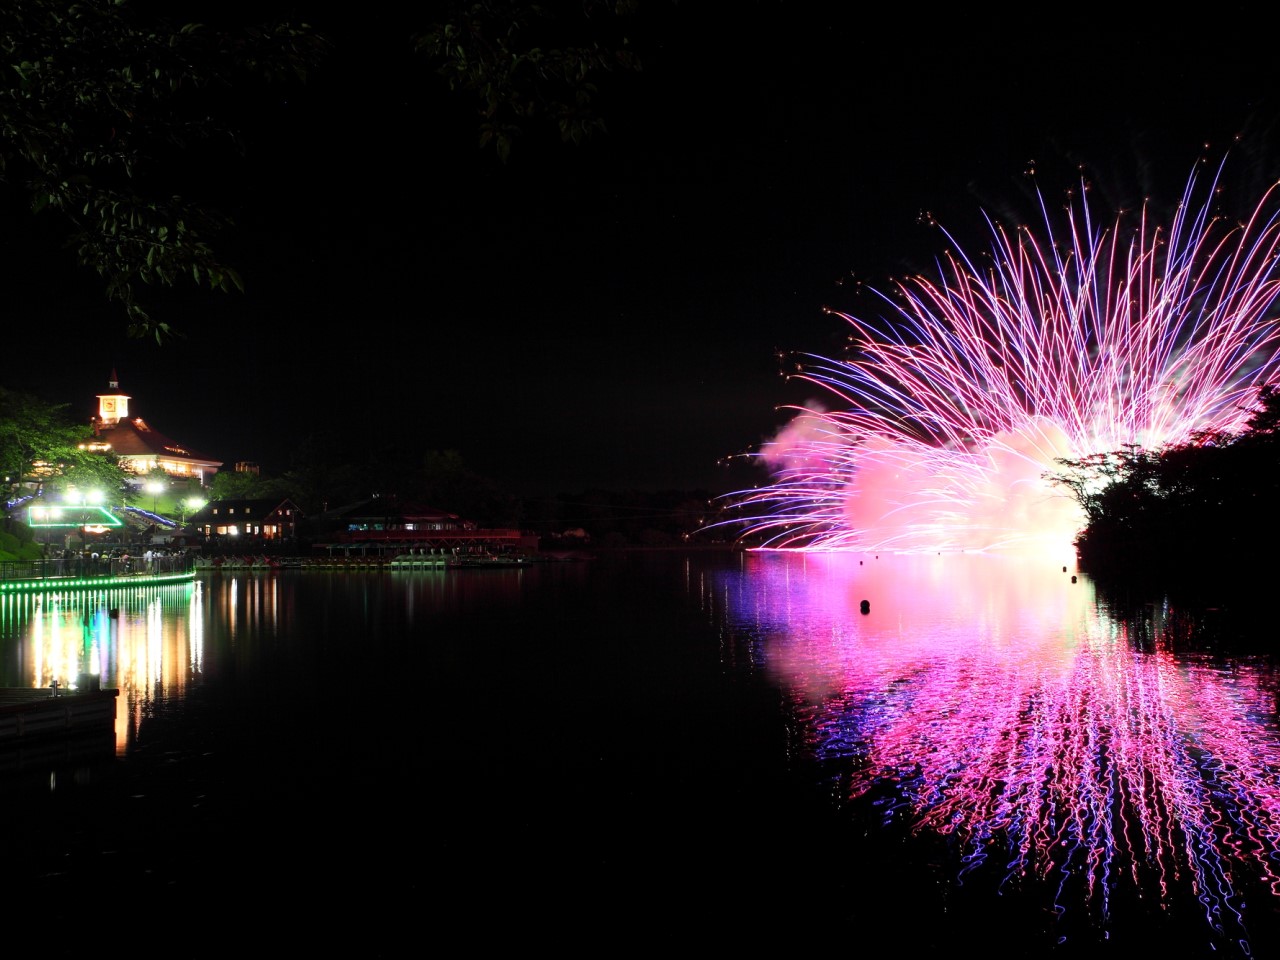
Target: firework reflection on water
[{"x": 1002, "y": 709}]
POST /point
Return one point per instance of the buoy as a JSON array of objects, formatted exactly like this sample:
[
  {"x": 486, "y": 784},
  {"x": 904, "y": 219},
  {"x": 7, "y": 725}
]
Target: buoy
[{"x": 866, "y": 606}]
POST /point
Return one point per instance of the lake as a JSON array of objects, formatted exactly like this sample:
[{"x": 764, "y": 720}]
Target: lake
[{"x": 721, "y": 748}]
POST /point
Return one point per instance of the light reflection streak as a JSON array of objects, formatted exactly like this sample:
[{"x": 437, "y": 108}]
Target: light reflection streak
[
  {"x": 128, "y": 639},
  {"x": 1004, "y": 709},
  {"x": 195, "y": 627}
]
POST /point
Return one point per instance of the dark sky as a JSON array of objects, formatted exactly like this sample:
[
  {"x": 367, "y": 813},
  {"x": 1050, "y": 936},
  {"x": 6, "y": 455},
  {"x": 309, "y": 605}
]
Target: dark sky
[{"x": 612, "y": 314}]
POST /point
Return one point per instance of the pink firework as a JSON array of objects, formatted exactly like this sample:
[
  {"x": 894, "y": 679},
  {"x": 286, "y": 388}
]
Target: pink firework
[{"x": 942, "y": 427}]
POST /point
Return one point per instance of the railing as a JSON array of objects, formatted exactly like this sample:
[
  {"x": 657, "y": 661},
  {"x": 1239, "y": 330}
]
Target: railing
[{"x": 60, "y": 570}]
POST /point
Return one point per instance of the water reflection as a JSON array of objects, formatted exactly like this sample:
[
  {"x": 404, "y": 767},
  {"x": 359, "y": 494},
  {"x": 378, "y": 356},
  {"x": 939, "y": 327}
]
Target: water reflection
[
  {"x": 1007, "y": 709},
  {"x": 146, "y": 642}
]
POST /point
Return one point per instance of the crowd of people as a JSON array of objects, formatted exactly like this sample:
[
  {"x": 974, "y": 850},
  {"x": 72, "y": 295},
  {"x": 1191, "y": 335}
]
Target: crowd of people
[{"x": 116, "y": 560}]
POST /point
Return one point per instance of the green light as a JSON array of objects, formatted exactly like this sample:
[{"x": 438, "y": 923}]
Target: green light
[
  {"x": 99, "y": 583},
  {"x": 77, "y": 515}
]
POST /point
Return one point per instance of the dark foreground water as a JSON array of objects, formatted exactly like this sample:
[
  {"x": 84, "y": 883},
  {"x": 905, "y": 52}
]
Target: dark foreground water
[{"x": 651, "y": 751}]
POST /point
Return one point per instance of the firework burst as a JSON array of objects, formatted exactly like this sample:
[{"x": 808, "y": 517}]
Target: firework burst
[{"x": 942, "y": 425}]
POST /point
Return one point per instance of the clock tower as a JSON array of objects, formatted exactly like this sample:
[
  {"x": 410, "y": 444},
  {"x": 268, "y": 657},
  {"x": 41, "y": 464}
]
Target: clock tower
[{"x": 113, "y": 406}]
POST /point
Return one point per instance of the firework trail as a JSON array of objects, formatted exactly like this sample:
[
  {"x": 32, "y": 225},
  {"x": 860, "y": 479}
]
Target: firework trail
[{"x": 939, "y": 429}]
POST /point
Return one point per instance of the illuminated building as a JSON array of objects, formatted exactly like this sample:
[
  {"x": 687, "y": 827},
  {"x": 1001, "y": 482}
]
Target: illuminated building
[
  {"x": 270, "y": 519},
  {"x": 142, "y": 449},
  {"x": 391, "y": 525}
]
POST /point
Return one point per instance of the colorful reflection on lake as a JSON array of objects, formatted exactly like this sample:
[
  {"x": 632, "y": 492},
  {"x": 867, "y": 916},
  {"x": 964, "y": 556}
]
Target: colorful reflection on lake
[
  {"x": 1001, "y": 705},
  {"x": 1070, "y": 773},
  {"x": 146, "y": 642}
]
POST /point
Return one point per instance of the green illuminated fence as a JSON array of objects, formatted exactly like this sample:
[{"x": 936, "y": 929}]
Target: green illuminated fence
[{"x": 80, "y": 571}]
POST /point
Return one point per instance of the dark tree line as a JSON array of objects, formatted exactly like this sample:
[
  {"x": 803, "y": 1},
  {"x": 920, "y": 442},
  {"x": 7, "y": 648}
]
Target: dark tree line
[
  {"x": 42, "y": 450},
  {"x": 1205, "y": 512}
]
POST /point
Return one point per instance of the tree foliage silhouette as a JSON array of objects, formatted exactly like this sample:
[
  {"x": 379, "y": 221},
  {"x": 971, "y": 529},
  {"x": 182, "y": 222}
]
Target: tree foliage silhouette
[{"x": 100, "y": 113}]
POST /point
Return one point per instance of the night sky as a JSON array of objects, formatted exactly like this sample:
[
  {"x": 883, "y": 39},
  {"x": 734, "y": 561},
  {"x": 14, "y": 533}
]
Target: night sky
[{"x": 612, "y": 315}]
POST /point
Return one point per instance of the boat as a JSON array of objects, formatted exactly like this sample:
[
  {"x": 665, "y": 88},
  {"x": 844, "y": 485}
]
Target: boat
[
  {"x": 418, "y": 561},
  {"x": 471, "y": 561}
]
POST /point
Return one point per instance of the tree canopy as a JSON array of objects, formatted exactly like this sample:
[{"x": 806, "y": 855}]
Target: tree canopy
[
  {"x": 99, "y": 111},
  {"x": 109, "y": 109},
  {"x": 525, "y": 64},
  {"x": 1163, "y": 511},
  {"x": 41, "y": 446}
]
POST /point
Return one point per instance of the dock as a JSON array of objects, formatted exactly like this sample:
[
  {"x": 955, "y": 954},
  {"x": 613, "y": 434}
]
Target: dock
[
  {"x": 31, "y": 714},
  {"x": 42, "y": 735}
]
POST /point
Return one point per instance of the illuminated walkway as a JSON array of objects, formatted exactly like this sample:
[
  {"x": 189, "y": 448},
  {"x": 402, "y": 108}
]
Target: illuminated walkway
[{"x": 26, "y": 575}]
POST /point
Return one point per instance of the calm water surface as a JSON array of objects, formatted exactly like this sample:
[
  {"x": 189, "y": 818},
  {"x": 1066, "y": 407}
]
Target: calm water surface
[{"x": 712, "y": 747}]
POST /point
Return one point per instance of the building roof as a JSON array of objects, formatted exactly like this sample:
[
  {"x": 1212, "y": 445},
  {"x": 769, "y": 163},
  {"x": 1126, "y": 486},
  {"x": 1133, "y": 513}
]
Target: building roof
[
  {"x": 134, "y": 437},
  {"x": 253, "y": 508},
  {"x": 389, "y": 508}
]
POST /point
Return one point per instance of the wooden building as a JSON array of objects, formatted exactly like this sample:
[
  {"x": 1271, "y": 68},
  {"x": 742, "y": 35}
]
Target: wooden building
[{"x": 265, "y": 520}]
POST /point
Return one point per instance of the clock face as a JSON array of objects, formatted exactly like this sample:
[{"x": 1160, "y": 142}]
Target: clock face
[{"x": 108, "y": 405}]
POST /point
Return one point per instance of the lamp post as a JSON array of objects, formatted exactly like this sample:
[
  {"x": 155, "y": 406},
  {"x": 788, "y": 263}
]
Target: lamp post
[
  {"x": 93, "y": 498},
  {"x": 156, "y": 488},
  {"x": 37, "y": 516},
  {"x": 194, "y": 504}
]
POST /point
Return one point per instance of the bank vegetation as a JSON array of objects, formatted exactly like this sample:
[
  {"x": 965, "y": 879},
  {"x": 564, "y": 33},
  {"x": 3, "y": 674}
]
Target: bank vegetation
[{"x": 1199, "y": 516}]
